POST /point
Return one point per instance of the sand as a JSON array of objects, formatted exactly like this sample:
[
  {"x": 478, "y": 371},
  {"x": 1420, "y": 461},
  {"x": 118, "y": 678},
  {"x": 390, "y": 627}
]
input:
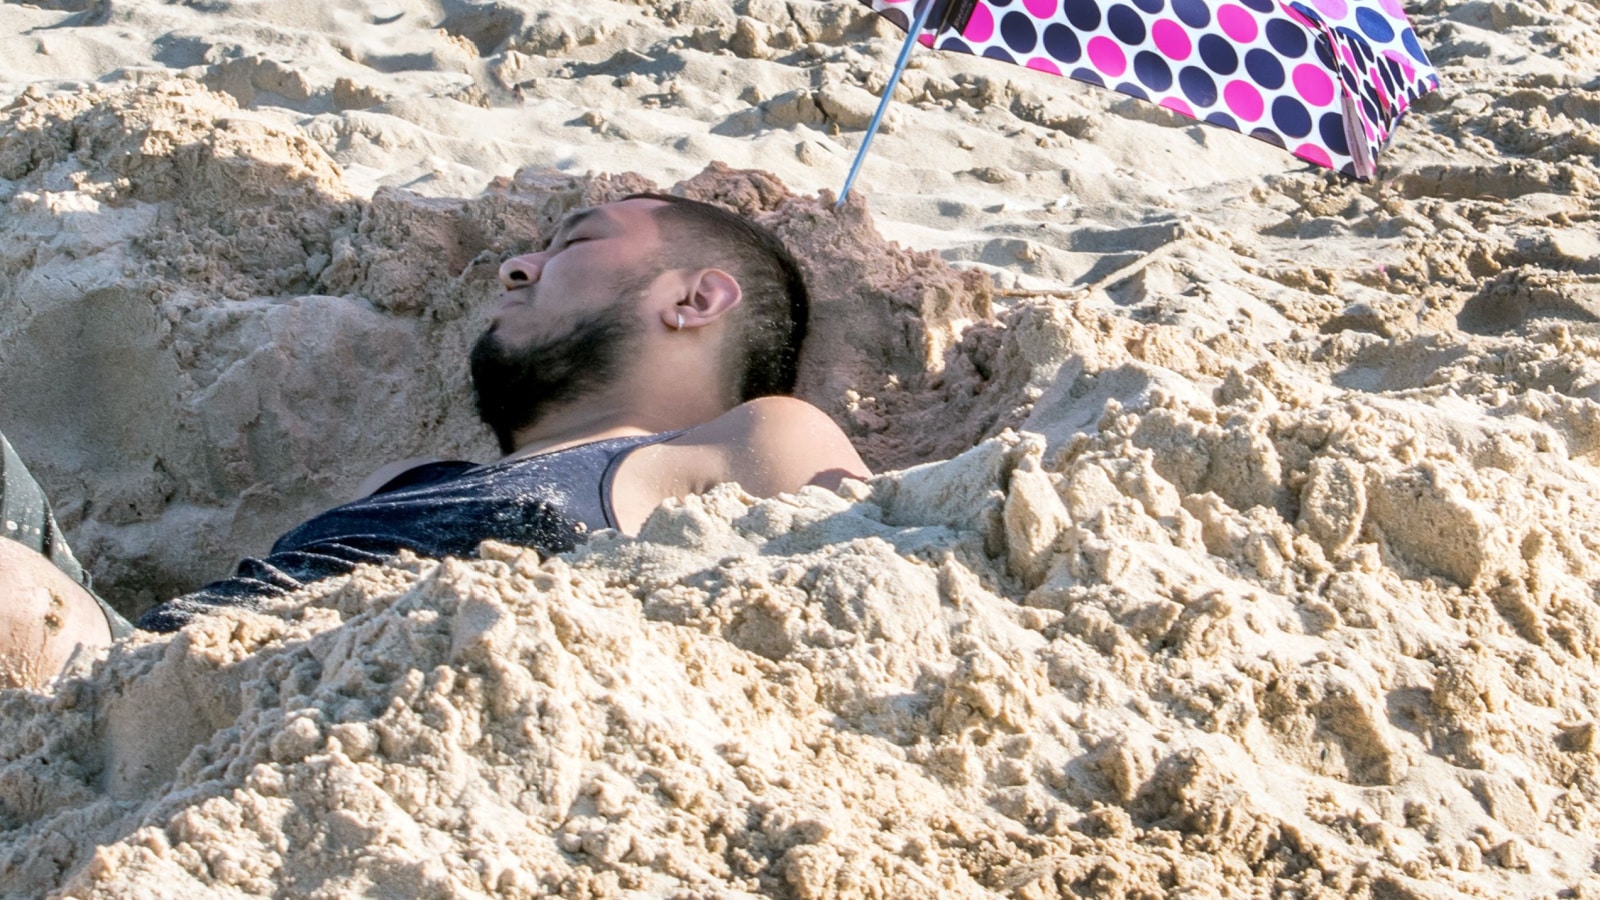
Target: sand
[{"x": 1236, "y": 535}]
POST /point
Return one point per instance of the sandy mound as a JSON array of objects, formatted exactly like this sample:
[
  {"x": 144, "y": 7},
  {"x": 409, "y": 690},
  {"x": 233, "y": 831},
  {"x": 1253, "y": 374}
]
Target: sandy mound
[
  {"x": 1246, "y": 545},
  {"x": 238, "y": 325}
]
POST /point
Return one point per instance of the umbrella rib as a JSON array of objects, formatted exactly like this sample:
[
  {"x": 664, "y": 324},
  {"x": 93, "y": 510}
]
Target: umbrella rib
[{"x": 888, "y": 94}]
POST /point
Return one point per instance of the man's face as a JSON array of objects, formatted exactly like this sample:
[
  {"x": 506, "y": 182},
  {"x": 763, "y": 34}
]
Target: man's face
[
  {"x": 568, "y": 316},
  {"x": 595, "y": 261}
]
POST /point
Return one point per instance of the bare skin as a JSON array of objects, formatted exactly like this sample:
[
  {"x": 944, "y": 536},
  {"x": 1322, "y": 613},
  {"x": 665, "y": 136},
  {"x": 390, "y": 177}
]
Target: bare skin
[
  {"x": 768, "y": 446},
  {"x": 45, "y": 618}
]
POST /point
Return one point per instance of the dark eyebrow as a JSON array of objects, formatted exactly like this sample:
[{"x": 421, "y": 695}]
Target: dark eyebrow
[{"x": 573, "y": 220}]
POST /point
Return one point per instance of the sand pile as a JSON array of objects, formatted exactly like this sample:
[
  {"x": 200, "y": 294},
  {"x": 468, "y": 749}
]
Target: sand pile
[
  {"x": 238, "y": 325},
  {"x": 1246, "y": 544}
]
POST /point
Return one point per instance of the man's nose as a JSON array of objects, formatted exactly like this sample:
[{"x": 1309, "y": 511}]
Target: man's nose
[{"x": 521, "y": 271}]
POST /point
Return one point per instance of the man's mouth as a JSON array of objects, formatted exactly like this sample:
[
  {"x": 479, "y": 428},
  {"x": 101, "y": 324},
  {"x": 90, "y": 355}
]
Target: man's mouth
[{"x": 514, "y": 297}]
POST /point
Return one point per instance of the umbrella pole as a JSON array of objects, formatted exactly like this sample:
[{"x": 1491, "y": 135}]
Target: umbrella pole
[{"x": 888, "y": 94}]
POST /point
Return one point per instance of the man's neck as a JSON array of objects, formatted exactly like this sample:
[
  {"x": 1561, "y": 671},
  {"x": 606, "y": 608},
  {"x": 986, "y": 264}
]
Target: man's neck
[
  {"x": 549, "y": 440},
  {"x": 596, "y": 419}
]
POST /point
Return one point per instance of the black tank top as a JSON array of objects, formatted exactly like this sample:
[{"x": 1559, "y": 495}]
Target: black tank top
[{"x": 550, "y": 501}]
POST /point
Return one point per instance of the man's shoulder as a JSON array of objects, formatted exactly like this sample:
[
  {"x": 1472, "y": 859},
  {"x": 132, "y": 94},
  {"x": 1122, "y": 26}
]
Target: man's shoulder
[
  {"x": 765, "y": 419},
  {"x": 390, "y": 472},
  {"x": 773, "y": 445}
]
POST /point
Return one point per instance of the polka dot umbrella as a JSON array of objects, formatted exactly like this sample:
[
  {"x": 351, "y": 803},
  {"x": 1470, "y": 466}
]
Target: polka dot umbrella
[{"x": 1326, "y": 80}]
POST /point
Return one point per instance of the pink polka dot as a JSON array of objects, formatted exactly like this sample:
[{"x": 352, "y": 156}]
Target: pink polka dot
[
  {"x": 1394, "y": 9},
  {"x": 1237, "y": 23},
  {"x": 1243, "y": 100},
  {"x": 1315, "y": 154},
  {"x": 1336, "y": 10},
  {"x": 925, "y": 39},
  {"x": 1107, "y": 56},
  {"x": 1178, "y": 106},
  {"x": 1312, "y": 83},
  {"x": 1042, "y": 9},
  {"x": 1407, "y": 70},
  {"x": 1171, "y": 39},
  {"x": 1377, "y": 87},
  {"x": 981, "y": 26},
  {"x": 1043, "y": 65}
]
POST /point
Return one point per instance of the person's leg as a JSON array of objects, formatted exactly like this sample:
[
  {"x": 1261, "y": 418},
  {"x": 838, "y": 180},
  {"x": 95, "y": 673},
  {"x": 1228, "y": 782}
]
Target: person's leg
[
  {"x": 45, "y": 617},
  {"x": 25, "y": 518},
  {"x": 25, "y": 515}
]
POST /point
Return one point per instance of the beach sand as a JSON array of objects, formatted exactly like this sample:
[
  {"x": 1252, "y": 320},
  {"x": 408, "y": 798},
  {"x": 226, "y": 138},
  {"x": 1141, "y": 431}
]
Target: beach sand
[{"x": 1236, "y": 535}]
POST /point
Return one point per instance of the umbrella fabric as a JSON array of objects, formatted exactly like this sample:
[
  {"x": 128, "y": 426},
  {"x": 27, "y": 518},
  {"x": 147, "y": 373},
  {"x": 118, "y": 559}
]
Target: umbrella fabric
[{"x": 1326, "y": 80}]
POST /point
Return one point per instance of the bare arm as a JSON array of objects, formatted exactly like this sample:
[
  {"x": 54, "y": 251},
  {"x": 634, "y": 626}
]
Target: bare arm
[
  {"x": 45, "y": 617},
  {"x": 777, "y": 445},
  {"x": 770, "y": 446}
]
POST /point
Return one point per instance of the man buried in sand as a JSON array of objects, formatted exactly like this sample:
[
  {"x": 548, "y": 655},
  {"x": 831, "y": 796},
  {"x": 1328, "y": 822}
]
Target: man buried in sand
[{"x": 641, "y": 356}]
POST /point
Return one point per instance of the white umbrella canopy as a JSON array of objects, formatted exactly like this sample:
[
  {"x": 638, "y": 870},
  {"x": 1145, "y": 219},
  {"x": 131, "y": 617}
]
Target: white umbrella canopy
[{"x": 1326, "y": 80}]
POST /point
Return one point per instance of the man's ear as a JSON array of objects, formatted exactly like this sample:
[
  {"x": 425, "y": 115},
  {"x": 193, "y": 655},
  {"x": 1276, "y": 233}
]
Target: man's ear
[{"x": 712, "y": 294}]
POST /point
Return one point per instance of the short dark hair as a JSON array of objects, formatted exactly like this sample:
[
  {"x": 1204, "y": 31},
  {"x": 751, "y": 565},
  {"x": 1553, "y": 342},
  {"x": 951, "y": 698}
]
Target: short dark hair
[{"x": 771, "y": 324}]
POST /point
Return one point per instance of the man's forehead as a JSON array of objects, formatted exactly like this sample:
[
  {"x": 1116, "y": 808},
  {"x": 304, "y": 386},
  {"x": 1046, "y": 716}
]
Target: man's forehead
[
  {"x": 619, "y": 212},
  {"x": 631, "y": 209}
]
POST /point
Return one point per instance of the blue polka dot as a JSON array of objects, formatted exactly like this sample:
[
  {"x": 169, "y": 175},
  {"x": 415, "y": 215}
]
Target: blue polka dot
[
  {"x": 1374, "y": 25},
  {"x": 1261, "y": 6},
  {"x": 1083, "y": 15},
  {"x": 1000, "y": 54},
  {"x": 1409, "y": 39},
  {"x": 1218, "y": 54},
  {"x": 1306, "y": 11},
  {"x": 1268, "y": 135},
  {"x": 1195, "y": 13},
  {"x": 1393, "y": 78},
  {"x": 1331, "y": 129},
  {"x": 1287, "y": 38},
  {"x": 1062, "y": 44},
  {"x": 1290, "y": 117},
  {"x": 1223, "y": 120},
  {"x": 1357, "y": 44},
  {"x": 1132, "y": 90},
  {"x": 1152, "y": 70},
  {"x": 1264, "y": 68},
  {"x": 1126, "y": 24},
  {"x": 1197, "y": 86},
  {"x": 1150, "y": 6},
  {"x": 1325, "y": 53},
  {"x": 1089, "y": 76},
  {"x": 1371, "y": 110},
  {"x": 1018, "y": 31},
  {"x": 954, "y": 45}
]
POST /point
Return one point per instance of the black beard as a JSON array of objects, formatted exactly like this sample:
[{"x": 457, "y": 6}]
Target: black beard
[{"x": 515, "y": 386}]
